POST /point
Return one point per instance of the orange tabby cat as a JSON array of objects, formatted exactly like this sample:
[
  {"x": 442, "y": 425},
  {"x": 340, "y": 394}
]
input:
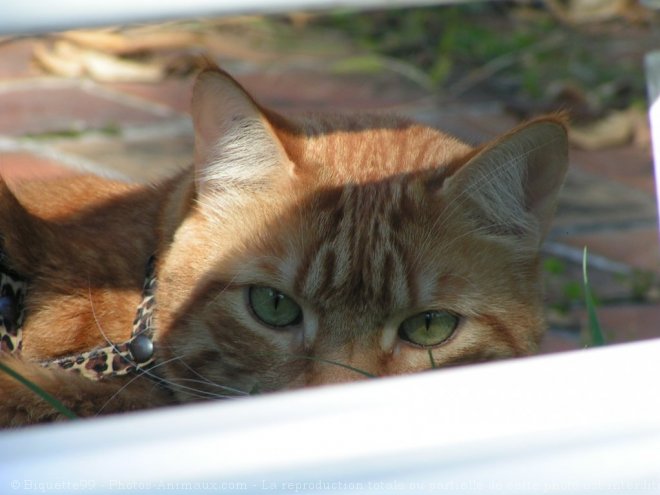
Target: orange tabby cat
[{"x": 294, "y": 252}]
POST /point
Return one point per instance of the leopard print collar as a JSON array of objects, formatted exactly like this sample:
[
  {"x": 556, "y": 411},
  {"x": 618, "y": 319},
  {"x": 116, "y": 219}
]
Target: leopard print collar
[{"x": 136, "y": 354}]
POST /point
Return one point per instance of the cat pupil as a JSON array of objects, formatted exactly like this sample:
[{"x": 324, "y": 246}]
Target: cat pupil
[
  {"x": 428, "y": 329},
  {"x": 274, "y": 308}
]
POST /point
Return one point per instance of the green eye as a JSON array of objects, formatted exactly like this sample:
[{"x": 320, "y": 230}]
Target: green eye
[
  {"x": 274, "y": 308},
  {"x": 428, "y": 329}
]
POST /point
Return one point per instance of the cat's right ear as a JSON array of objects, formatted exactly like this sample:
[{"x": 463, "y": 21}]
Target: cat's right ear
[
  {"x": 514, "y": 181},
  {"x": 235, "y": 145}
]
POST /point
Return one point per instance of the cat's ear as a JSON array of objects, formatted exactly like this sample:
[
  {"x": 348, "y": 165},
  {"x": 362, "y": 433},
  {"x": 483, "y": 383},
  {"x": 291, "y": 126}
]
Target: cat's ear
[
  {"x": 515, "y": 180},
  {"x": 235, "y": 145}
]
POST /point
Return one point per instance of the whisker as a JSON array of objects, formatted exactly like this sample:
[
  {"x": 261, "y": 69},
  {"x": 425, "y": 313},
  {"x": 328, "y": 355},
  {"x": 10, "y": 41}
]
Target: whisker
[
  {"x": 148, "y": 372},
  {"x": 123, "y": 387},
  {"x": 194, "y": 392},
  {"x": 145, "y": 372},
  {"x": 458, "y": 202},
  {"x": 225, "y": 288},
  {"x": 96, "y": 320},
  {"x": 235, "y": 392},
  {"x": 211, "y": 382},
  {"x": 334, "y": 363},
  {"x": 477, "y": 230},
  {"x": 463, "y": 196}
]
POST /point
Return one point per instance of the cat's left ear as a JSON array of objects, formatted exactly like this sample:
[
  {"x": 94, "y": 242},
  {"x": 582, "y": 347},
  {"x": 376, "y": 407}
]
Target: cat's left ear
[
  {"x": 236, "y": 147},
  {"x": 515, "y": 180}
]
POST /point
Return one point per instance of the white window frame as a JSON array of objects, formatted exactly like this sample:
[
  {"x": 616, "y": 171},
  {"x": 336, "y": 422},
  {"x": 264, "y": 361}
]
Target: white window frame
[{"x": 573, "y": 423}]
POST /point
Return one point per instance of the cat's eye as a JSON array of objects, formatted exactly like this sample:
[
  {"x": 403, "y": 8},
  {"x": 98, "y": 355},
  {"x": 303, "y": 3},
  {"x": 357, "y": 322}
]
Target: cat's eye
[
  {"x": 274, "y": 308},
  {"x": 428, "y": 329}
]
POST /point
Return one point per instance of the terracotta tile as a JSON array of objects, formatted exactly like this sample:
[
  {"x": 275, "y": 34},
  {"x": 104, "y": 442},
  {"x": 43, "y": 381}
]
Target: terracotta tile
[
  {"x": 627, "y": 323},
  {"x": 293, "y": 90},
  {"x": 16, "y": 60},
  {"x": 639, "y": 248},
  {"x": 628, "y": 165},
  {"x": 474, "y": 125},
  {"x": 620, "y": 324},
  {"x": 589, "y": 201},
  {"x": 144, "y": 160},
  {"x": 316, "y": 90},
  {"x": 21, "y": 165},
  {"x": 41, "y": 110},
  {"x": 174, "y": 93},
  {"x": 559, "y": 341}
]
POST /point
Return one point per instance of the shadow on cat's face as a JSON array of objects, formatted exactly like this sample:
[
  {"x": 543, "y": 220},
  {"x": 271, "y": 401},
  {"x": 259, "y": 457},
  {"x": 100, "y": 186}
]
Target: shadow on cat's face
[{"x": 317, "y": 254}]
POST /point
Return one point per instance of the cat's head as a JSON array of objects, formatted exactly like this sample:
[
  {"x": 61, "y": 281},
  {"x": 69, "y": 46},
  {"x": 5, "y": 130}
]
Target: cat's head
[{"x": 319, "y": 249}]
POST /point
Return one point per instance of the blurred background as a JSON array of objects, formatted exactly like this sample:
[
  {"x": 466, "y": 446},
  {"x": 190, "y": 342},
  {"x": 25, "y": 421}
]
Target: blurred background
[{"x": 114, "y": 101}]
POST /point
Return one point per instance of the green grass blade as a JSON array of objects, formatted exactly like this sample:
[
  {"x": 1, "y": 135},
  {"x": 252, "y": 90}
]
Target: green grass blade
[
  {"x": 596, "y": 337},
  {"x": 433, "y": 365},
  {"x": 255, "y": 390},
  {"x": 56, "y": 404}
]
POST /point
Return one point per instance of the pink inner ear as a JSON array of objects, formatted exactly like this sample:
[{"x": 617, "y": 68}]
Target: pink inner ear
[
  {"x": 235, "y": 146},
  {"x": 218, "y": 104},
  {"x": 546, "y": 168}
]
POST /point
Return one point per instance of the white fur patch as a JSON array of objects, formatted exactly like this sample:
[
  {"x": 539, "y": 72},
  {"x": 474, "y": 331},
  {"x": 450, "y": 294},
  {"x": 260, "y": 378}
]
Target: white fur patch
[
  {"x": 245, "y": 154},
  {"x": 244, "y": 160}
]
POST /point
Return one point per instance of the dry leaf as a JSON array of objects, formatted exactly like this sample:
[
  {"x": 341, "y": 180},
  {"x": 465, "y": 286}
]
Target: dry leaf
[
  {"x": 68, "y": 60},
  {"x": 590, "y": 11},
  {"x": 130, "y": 43},
  {"x": 617, "y": 129},
  {"x": 53, "y": 61}
]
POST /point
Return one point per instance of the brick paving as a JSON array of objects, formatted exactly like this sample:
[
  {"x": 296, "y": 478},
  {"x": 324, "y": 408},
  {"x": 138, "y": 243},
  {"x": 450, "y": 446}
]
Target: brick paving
[
  {"x": 19, "y": 165},
  {"x": 51, "y": 126},
  {"x": 47, "y": 108}
]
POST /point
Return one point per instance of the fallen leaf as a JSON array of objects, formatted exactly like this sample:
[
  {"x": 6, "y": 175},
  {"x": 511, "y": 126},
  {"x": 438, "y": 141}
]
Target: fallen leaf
[
  {"x": 126, "y": 43},
  {"x": 69, "y": 60},
  {"x": 616, "y": 129}
]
